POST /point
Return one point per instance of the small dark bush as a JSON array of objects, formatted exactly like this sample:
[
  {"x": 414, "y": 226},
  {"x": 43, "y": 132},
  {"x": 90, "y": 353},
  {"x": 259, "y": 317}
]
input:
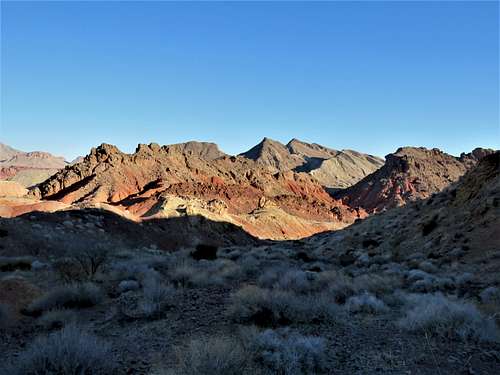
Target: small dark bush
[
  {"x": 429, "y": 226},
  {"x": 203, "y": 251},
  {"x": 347, "y": 259},
  {"x": 9, "y": 264},
  {"x": 370, "y": 243},
  {"x": 69, "y": 270},
  {"x": 303, "y": 256}
]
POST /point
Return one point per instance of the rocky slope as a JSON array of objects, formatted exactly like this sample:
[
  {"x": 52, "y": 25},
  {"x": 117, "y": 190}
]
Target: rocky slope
[
  {"x": 195, "y": 178},
  {"x": 28, "y": 168},
  {"x": 408, "y": 174},
  {"x": 414, "y": 290},
  {"x": 455, "y": 229},
  {"x": 6, "y": 152},
  {"x": 331, "y": 168}
]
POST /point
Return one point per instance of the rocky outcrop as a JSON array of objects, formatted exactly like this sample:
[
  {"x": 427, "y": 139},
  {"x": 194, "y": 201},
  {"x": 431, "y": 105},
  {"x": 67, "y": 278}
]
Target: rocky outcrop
[
  {"x": 408, "y": 174},
  {"x": 456, "y": 228},
  {"x": 165, "y": 181}
]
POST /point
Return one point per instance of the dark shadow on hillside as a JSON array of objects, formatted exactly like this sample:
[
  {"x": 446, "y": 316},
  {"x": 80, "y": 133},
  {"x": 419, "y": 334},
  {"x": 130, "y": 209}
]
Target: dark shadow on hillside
[
  {"x": 41, "y": 230},
  {"x": 310, "y": 164}
]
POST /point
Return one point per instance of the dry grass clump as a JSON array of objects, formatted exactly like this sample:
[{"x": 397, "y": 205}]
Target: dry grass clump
[
  {"x": 286, "y": 352},
  {"x": 252, "y": 352},
  {"x": 365, "y": 303},
  {"x": 69, "y": 351},
  {"x": 438, "y": 315},
  {"x": 221, "y": 355},
  {"x": 157, "y": 296},
  {"x": 294, "y": 280},
  {"x": 67, "y": 296},
  {"x": 204, "y": 273}
]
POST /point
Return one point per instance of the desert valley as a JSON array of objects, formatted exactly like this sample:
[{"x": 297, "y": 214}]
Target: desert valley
[
  {"x": 249, "y": 187},
  {"x": 285, "y": 259}
]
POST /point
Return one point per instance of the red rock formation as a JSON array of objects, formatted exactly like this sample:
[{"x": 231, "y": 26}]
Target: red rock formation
[
  {"x": 140, "y": 183},
  {"x": 408, "y": 174}
]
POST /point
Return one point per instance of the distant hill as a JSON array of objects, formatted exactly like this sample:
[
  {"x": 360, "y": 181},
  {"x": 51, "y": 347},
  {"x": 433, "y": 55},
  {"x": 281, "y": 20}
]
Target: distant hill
[
  {"x": 331, "y": 168},
  {"x": 28, "y": 168}
]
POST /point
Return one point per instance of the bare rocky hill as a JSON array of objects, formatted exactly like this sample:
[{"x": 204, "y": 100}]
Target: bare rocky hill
[
  {"x": 28, "y": 168},
  {"x": 331, "y": 168},
  {"x": 194, "y": 179},
  {"x": 408, "y": 174}
]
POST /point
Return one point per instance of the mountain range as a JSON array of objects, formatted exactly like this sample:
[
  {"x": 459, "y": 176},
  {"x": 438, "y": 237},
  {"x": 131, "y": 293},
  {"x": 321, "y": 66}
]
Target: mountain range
[{"x": 272, "y": 191}]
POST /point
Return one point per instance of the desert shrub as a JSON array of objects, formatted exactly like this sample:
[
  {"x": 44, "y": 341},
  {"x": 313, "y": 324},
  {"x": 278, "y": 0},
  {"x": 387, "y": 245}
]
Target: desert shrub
[
  {"x": 297, "y": 281},
  {"x": 490, "y": 295},
  {"x": 127, "y": 285},
  {"x": 91, "y": 259},
  {"x": 68, "y": 270},
  {"x": 82, "y": 259},
  {"x": 442, "y": 316},
  {"x": 157, "y": 296},
  {"x": 288, "y": 353},
  {"x": 250, "y": 265},
  {"x": 366, "y": 303},
  {"x": 8, "y": 264},
  {"x": 205, "y": 273},
  {"x": 294, "y": 280},
  {"x": 376, "y": 284},
  {"x": 219, "y": 355},
  {"x": 264, "y": 307},
  {"x": 69, "y": 351},
  {"x": 230, "y": 253},
  {"x": 134, "y": 269},
  {"x": 36, "y": 265},
  {"x": 56, "y": 319},
  {"x": 416, "y": 274},
  {"x": 67, "y": 296},
  {"x": 205, "y": 251},
  {"x": 183, "y": 274},
  {"x": 338, "y": 285},
  {"x": 428, "y": 266}
]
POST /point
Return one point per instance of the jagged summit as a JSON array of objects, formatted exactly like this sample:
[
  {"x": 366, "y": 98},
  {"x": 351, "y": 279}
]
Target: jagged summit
[{"x": 273, "y": 155}]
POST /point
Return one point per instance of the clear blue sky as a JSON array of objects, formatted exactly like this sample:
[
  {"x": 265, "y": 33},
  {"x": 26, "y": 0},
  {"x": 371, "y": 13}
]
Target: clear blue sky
[{"x": 369, "y": 76}]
